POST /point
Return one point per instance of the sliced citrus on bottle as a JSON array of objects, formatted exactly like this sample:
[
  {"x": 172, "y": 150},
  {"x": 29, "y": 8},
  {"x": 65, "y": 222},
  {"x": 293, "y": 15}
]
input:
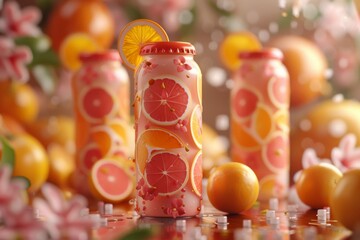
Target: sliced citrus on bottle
[
  {"x": 278, "y": 92},
  {"x": 154, "y": 139},
  {"x": 262, "y": 121},
  {"x": 167, "y": 172},
  {"x": 244, "y": 101},
  {"x": 243, "y": 138},
  {"x": 134, "y": 35},
  {"x": 88, "y": 156},
  {"x": 165, "y": 101},
  {"x": 196, "y": 126},
  {"x": 74, "y": 45},
  {"x": 96, "y": 103},
  {"x": 233, "y": 45},
  {"x": 109, "y": 143},
  {"x": 271, "y": 186},
  {"x": 196, "y": 174},
  {"x": 276, "y": 152},
  {"x": 110, "y": 181}
]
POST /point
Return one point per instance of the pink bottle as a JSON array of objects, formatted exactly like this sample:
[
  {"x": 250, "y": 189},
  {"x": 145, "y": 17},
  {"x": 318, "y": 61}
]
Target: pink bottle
[
  {"x": 260, "y": 120},
  {"x": 168, "y": 126}
]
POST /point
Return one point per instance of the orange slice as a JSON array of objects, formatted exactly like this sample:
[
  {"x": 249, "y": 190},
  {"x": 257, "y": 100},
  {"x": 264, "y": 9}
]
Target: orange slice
[
  {"x": 262, "y": 121},
  {"x": 196, "y": 126},
  {"x": 134, "y": 35},
  {"x": 196, "y": 174},
  {"x": 234, "y": 44},
  {"x": 110, "y": 181},
  {"x": 73, "y": 46}
]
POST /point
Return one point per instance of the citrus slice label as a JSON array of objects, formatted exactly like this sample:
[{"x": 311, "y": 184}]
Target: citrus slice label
[
  {"x": 196, "y": 174},
  {"x": 244, "y": 102},
  {"x": 196, "y": 126},
  {"x": 262, "y": 121},
  {"x": 154, "y": 139},
  {"x": 271, "y": 186},
  {"x": 89, "y": 155},
  {"x": 73, "y": 46},
  {"x": 243, "y": 138},
  {"x": 276, "y": 152},
  {"x": 233, "y": 45},
  {"x": 108, "y": 141},
  {"x": 278, "y": 92},
  {"x": 134, "y": 35},
  {"x": 96, "y": 103},
  {"x": 281, "y": 119},
  {"x": 168, "y": 173},
  {"x": 110, "y": 180},
  {"x": 165, "y": 101}
]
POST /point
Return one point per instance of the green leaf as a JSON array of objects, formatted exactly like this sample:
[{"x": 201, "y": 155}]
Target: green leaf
[
  {"x": 138, "y": 233},
  {"x": 8, "y": 153},
  {"x": 46, "y": 78},
  {"x": 24, "y": 179}
]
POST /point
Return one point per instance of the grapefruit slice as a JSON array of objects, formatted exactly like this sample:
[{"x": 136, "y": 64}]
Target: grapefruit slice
[
  {"x": 196, "y": 126},
  {"x": 110, "y": 181},
  {"x": 165, "y": 101},
  {"x": 154, "y": 139},
  {"x": 168, "y": 173},
  {"x": 134, "y": 35},
  {"x": 96, "y": 103},
  {"x": 244, "y": 102},
  {"x": 262, "y": 121},
  {"x": 276, "y": 152},
  {"x": 278, "y": 92},
  {"x": 271, "y": 186},
  {"x": 88, "y": 156},
  {"x": 196, "y": 174}
]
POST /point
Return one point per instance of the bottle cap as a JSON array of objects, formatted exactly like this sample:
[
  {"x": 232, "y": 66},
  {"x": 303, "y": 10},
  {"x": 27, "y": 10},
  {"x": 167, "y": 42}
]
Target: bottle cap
[
  {"x": 166, "y": 48},
  {"x": 109, "y": 55},
  {"x": 273, "y": 53}
]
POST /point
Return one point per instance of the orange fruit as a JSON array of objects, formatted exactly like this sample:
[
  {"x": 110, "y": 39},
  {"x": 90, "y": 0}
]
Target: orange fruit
[
  {"x": 134, "y": 35},
  {"x": 316, "y": 184},
  {"x": 59, "y": 129},
  {"x": 19, "y": 101},
  {"x": 110, "y": 181},
  {"x": 232, "y": 187},
  {"x": 31, "y": 160},
  {"x": 72, "y": 16},
  {"x": 345, "y": 200},
  {"x": 74, "y": 45},
  {"x": 154, "y": 139},
  {"x": 8, "y": 125},
  {"x": 61, "y": 166},
  {"x": 235, "y": 43},
  {"x": 308, "y": 80},
  {"x": 262, "y": 121}
]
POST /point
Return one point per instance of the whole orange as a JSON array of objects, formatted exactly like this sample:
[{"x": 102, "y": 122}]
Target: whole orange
[
  {"x": 345, "y": 200},
  {"x": 232, "y": 187},
  {"x": 307, "y": 78},
  {"x": 31, "y": 160},
  {"x": 57, "y": 129},
  {"x": 87, "y": 16},
  {"x": 8, "y": 125},
  {"x": 322, "y": 128},
  {"x": 316, "y": 184},
  {"x": 18, "y": 100}
]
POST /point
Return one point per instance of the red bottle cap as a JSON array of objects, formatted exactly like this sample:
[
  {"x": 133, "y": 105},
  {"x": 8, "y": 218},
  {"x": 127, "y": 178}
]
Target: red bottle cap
[
  {"x": 163, "y": 48},
  {"x": 274, "y": 53},
  {"x": 109, "y": 55}
]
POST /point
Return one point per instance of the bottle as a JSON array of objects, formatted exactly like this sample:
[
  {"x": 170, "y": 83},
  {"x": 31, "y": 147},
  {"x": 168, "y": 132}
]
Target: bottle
[
  {"x": 260, "y": 120},
  {"x": 168, "y": 127},
  {"x": 101, "y": 112}
]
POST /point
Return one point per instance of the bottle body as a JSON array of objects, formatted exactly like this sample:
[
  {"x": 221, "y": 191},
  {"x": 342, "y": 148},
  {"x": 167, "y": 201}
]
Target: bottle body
[
  {"x": 101, "y": 112},
  {"x": 260, "y": 120},
  {"x": 168, "y": 127}
]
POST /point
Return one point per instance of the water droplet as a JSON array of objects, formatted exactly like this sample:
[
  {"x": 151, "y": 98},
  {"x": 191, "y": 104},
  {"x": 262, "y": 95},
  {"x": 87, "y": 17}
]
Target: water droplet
[
  {"x": 305, "y": 125},
  {"x": 222, "y": 122},
  {"x": 337, "y": 128}
]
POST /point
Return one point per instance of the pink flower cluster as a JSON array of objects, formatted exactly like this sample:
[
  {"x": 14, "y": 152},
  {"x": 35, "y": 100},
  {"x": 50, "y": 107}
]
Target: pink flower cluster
[
  {"x": 14, "y": 23},
  {"x": 176, "y": 209},
  {"x": 146, "y": 192},
  {"x": 61, "y": 217}
]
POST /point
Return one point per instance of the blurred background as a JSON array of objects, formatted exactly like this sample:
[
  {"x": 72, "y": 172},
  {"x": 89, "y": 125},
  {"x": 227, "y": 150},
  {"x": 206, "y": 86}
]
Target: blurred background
[{"x": 320, "y": 39}]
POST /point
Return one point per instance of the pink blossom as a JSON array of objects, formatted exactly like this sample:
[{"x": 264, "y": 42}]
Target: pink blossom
[
  {"x": 346, "y": 156},
  {"x": 146, "y": 192},
  {"x": 182, "y": 65},
  {"x": 16, "y": 22},
  {"x": 176, "y": 209},
  {"x": 181, "y": 125},
  {"x": 62, "y": 217},
  {"x": 149, "y": 66},
  {"x": 13, "y": 60}
]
